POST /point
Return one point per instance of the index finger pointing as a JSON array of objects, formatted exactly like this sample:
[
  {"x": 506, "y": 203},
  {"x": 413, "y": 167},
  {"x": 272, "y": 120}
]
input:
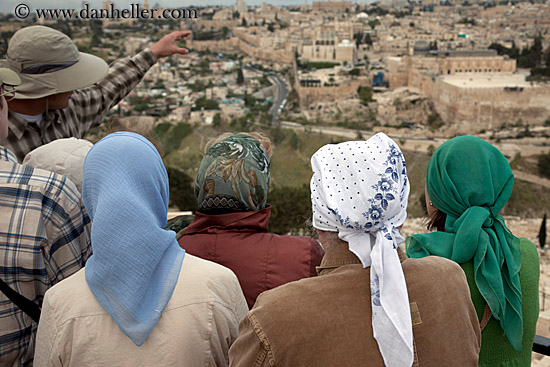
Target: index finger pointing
[{"x": 180, "y": 34}]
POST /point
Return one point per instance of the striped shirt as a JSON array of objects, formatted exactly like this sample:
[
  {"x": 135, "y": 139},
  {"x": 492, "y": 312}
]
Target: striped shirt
[
  {"x": 44, "y": 238},
  {"x": 87, "y": 107}
]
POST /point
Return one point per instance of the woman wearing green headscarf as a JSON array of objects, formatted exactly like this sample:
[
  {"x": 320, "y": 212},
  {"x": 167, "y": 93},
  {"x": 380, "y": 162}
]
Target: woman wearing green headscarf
[{"x": 468, "y": 182}]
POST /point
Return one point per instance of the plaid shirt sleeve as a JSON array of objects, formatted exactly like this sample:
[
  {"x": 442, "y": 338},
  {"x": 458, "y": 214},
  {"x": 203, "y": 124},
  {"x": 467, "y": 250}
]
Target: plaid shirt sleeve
[
  {"x": 93, "y": 103},
  {"x": 68, "y": 227},
  {"x": 44, "y": 238}
]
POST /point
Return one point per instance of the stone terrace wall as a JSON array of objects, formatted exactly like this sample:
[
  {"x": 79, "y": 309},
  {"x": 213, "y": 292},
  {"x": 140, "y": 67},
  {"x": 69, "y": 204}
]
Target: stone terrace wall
[{"x": 309, "y": 95}]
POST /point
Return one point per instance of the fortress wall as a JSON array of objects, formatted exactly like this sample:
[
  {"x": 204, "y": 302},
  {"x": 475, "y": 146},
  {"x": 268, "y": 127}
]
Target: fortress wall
[
  {"x": 230, "y": 45},
  {"x": 279, "y": 55},
  {"x": 214, "y": 46},
  {"x": 475, "y": 109},
  {"x": 215, "y": 24}
]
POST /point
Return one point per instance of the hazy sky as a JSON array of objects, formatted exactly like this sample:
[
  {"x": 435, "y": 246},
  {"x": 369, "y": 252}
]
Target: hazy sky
[{"x": 7, "y": 6}]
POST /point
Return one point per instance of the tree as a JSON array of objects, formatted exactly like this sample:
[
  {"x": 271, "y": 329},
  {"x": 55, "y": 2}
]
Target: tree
[
  {"x": 291, "y": 209},
  {"x": 365, "y": 94},
  {"x": 249, "y": 100},
  {"x": 368, "y": 39},
  {"x": 542, "y": 232},
  {"x": 217, "y": 120},
  {"x": 225, "y": 32},
  {"x": 270, "y": 28},
  {"x": 544, "y": 165},
  {"x": 266, "y": 119},
  {"x": 240, "y": 76},
  {"x": 243, "y": 23},
  {"x": 358, "y": 38},
  {"x": 373, "y": 23},
  {"x": 536, "y": 52},
  {"x": 182, "y": 194},
  {"x": 207, "y": 104},
  {"x": 96, "y": 41},
  {"x": 97, "y": 27},
  {"x": 171, "y": 136}
]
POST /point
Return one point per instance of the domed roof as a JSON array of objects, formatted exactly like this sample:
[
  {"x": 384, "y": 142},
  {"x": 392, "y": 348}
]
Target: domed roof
[
  {"x": 422, "y": 46},
  {"x": 345, "y": 43}
]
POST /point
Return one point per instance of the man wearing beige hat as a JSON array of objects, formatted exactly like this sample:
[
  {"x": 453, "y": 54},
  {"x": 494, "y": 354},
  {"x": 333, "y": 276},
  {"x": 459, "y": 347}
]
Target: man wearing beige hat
[
  {"x": 63, "y": 92},
  {"x": 44, "y": 238}
]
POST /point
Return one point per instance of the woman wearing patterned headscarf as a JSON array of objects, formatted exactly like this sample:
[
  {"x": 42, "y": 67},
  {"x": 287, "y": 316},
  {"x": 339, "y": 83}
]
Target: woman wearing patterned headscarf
[
  {"x": 468, "y": 182},
  {"x": 140, "y": 300},
  {"x": 368, "y": 307},
  {"x": 230, "y": 226}
]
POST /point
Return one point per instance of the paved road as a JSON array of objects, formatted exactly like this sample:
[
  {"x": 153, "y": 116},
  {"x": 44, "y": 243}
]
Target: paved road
[{"x": 280, "y": 95}]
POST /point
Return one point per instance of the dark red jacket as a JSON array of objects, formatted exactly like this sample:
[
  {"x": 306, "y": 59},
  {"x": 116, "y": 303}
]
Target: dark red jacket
[{"x": 260, "y": 260}]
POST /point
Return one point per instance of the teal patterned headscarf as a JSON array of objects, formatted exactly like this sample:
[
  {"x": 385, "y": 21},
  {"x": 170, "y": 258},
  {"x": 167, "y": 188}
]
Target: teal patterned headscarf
[
  {"x": 470, "y": 180},
  {"x": 234, "y": 175}
]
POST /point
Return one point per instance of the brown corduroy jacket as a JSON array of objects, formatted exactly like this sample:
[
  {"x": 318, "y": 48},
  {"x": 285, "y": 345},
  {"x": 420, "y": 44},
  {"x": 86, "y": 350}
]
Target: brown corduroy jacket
[{"x": 327, "y": 320}]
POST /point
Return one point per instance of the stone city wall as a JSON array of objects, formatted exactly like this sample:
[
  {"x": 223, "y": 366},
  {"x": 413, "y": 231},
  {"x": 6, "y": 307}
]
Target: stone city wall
[
  {"x": 215, "y": 24},
  {"x": 214, "y": 46},
  {"x": 231, "y": 44},
  {"x": 475, "y": 109},
  {"x": 415, "y": 65},
  {"x": 266, "y": 54},
  {"x": 331, "y": 6}
]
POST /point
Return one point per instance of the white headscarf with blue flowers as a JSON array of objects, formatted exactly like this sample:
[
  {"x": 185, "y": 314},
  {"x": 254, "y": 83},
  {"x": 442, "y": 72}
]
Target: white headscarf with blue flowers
[{"x": 360, "y": 190}]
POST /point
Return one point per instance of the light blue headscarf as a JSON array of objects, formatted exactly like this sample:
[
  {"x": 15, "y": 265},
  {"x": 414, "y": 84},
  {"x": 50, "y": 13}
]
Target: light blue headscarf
[{"x": 136, "y": 263}]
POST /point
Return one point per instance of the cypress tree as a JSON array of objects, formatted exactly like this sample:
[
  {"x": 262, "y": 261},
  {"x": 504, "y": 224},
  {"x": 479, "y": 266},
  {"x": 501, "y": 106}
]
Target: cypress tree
[{"x": 542, "y": 232}]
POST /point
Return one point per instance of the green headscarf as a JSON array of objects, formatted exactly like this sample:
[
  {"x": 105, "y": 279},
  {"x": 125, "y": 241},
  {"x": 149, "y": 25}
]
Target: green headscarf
[
  {"x": 470, "y": 180},
  {"x": 234, "y": 175}
]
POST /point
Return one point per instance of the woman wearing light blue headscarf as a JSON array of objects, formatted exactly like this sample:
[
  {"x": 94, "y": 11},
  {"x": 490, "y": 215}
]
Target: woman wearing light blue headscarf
[
  {"x": 138, "y": 278},
  {"x": 130, "y": 192}
]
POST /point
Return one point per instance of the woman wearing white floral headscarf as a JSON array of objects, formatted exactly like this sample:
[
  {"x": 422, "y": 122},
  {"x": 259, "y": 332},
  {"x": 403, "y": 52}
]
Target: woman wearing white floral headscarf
[{"x": 369, "y": 306}]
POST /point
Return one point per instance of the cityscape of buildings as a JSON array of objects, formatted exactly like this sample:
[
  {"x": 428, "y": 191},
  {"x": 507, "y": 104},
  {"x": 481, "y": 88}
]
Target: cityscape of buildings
[{"x": 355, "y": 65}]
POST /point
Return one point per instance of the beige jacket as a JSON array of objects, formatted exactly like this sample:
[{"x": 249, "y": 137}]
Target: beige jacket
[
  {"x": 327, "y": 320},
  {"x": 197, "y": 327}
]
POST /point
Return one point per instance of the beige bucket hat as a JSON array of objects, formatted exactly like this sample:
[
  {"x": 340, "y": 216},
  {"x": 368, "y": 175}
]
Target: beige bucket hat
[
  {"x": 48, "y": 62},
  {"x": 9, "y": 77},
  {"x": 63, "y": 156}
]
